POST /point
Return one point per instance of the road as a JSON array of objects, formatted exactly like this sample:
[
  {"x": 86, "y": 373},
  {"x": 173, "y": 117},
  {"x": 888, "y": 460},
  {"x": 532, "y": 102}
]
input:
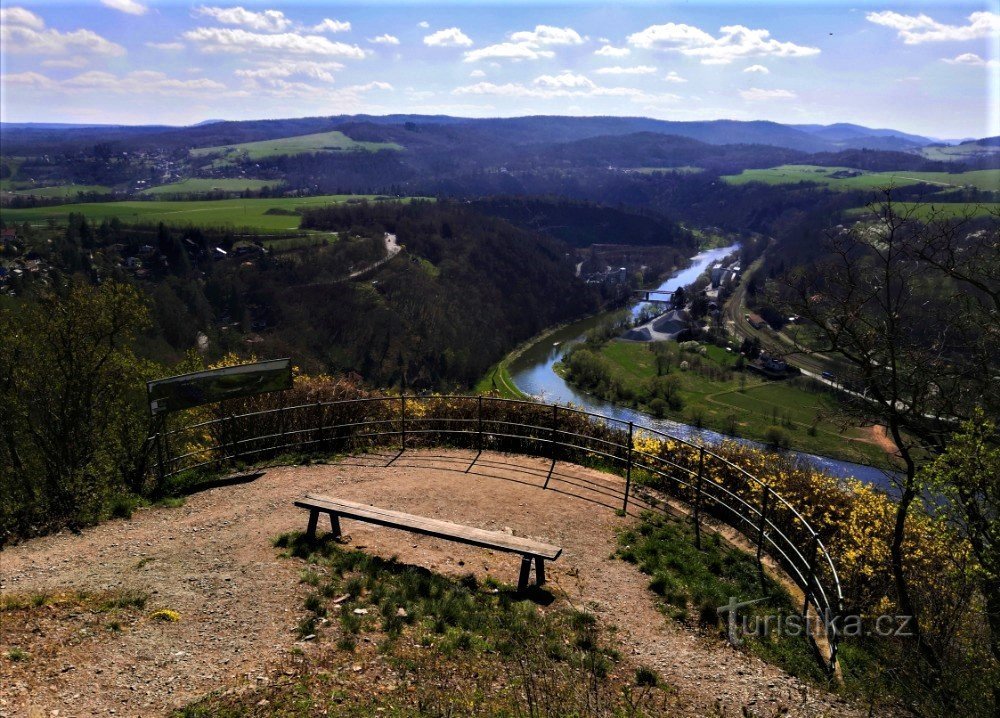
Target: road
[{"x": 734, "y": 319}]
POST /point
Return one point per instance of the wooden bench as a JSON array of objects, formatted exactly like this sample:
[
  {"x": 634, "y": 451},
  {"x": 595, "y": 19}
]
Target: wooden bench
[{"x": 530, "y": 550}]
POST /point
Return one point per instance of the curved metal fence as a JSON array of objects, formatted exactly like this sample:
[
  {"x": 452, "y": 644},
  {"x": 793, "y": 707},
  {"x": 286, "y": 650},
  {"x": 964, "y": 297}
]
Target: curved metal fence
[{"x": 707, "y": 482}]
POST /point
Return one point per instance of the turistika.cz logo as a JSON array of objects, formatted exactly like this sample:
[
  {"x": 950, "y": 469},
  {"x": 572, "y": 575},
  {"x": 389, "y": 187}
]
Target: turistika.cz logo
[{"x": 739, "y": 624}]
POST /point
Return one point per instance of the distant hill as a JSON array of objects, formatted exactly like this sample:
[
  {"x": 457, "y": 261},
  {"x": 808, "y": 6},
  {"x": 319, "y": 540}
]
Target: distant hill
[{"x": 850, "y": 133}]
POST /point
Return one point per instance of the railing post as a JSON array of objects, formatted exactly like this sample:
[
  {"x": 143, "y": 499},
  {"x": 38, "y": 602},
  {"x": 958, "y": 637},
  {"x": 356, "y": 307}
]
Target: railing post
[
  {"x": 552, "y": 443},
  {"x": 697, "y": 498},
  {"x": 628, "y": 468},
  {"x": 812, "y": 573},
  {"x": 479, "y": 422},
  {"x": 230, "y": 438},
  {"x": 761, "y": 528},
  {"x": 159, "y": 463},
  {"x": 322, "y": 425},
  {"x": 402, "y": 415}
]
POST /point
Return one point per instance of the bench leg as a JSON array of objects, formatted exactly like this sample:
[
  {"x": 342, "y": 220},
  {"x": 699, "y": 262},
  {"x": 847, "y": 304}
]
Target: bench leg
[
  {"x": 539, "y": 571},
  {"x": 311, "y": 530},
  {"x": 522, "y": 581},
  {"x": 335, "y": 525}
]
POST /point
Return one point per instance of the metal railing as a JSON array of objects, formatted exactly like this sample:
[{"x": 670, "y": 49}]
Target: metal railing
[{"x": 704, "y": 480}]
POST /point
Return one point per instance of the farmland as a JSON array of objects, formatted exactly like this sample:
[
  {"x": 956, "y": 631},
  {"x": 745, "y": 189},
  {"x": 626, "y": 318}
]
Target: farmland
[
  {"x": 250, "y": 213},
  {"x": 195, "y": 185},
  {"x": 942, "y": 210},
  {"x": 302, "y": 144},
  {"x": 61, "y": 191},
  {"x": 837, "y": 177}
]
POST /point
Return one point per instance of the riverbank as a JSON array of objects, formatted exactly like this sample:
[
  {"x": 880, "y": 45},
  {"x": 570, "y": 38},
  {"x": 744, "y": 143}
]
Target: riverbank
[{"x": 704, "y": 386}]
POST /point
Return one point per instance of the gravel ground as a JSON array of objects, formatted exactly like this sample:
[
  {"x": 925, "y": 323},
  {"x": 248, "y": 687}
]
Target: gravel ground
[{"x": 211, "y": 560}]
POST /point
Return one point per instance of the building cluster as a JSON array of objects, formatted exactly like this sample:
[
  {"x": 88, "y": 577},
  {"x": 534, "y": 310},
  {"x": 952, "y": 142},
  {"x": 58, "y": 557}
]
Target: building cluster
[
  {"x": 16, "y": 263},
  {"x": 609, "y": 276},
  {"x": 722, "y": 275}
]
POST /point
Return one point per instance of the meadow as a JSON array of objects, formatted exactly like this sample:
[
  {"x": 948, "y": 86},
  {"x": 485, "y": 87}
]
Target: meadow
[
  {"x": 942, "y": 210},
  {"x": 740, "y": 403},
  {"x": 793, "y": 174},
  {"x": 250, "y": 213},
  {"x": 62, "y": 191},
  {"x": 195, "y": 185},
  {"x": 302, "y": 144}
]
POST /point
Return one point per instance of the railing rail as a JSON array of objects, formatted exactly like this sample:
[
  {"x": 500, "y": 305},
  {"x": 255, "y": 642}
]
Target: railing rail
[{"x": 696, "y": 475}]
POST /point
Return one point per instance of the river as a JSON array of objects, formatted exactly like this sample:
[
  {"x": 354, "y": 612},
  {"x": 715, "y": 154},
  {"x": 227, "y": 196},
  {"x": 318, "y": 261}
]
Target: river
[{"x": 532, "y": 372}]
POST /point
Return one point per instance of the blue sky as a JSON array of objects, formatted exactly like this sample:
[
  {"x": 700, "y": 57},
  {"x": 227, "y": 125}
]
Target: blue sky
[{"x": 929, "y": 68}]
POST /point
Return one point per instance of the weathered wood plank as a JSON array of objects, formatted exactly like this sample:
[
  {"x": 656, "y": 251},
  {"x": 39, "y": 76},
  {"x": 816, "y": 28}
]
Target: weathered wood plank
[{"x": 430, "y": 527}]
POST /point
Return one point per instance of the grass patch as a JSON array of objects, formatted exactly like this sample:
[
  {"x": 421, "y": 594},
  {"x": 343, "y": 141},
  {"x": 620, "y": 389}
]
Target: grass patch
[
  {"x": 410, "y": 642},
  {"x": 693, "y": 584},
  {"x": 16, "y": 655},
  {"x": 99, "y": 602}
]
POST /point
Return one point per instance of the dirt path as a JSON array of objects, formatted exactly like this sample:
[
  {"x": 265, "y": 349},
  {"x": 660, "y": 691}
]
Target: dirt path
[{"x": 212, "y": 561}]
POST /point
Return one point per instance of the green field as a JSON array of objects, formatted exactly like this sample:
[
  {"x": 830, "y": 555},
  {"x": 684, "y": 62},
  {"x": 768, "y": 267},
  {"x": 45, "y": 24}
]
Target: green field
[
  {"x": 793, "y": 174},
  {"x": 685, "y": 169},
  {"x": 201, "y": 185},
  {"x": 250, "y": 213},
  {"x": 751, "y": 406},
  {"x": 958, "y": 152},
  {"x": 302, "y": 144},
  {"x": 66, "y": 190},
  {"x": 941, "y": 210}
]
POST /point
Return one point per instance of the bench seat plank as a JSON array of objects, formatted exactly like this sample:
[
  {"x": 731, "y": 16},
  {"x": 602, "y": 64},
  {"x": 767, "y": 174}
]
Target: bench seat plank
[{"x": 430, "y": 527}]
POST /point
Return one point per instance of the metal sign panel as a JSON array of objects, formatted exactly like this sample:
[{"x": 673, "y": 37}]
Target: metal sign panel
[{"x": 206, "y": 387}]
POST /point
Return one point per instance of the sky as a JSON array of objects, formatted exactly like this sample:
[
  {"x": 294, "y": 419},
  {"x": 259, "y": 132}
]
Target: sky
[{"x": 931, "y": 68}]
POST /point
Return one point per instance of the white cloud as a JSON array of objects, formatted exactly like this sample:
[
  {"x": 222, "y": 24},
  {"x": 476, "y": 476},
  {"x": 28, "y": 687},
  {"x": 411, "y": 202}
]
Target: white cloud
[
  {"x": 28, "y": 79},
  {"x": 564, "y": 85},
  {"x": 672, "y": 76},
  {"x": 166, "y": 45},
  {"x": 757, "y": 68},
  {"x": 368, "y": 86},
  {"x": 329, "y": 25},
  {"x": 734, "y": 42},
  {"x": 423, "y": 24},
  {"x": 915, "y": 29},
  {"x": 527, "y": 44},
  {"x": 70, "y": 62},
  {"x": 267, "y": 21},
  {"x": 548, "y": 35},
  {"x": 508, "y": 51},
  {"x": 216, "y": 39},
  {"x": 477, "y": 73},
  {"x": 971, "y": 59},
  {"x": 385, "y": 39},
  {"x": 449, "y": 37},
  {"x": 130, "y": 7},
  {"x": 755, "y": 94},
  {"x": 565, "y": 79},
  {"x": 23, "y": 32},
  {"x": 141, "y": 81},
  {"x": 281, "y": 69},
  {"x": 610, "y": 51},
  {"x": 138, "y": 82},
  {"x": 20, "y": 16},
  {"x": 619, "y": 70}
]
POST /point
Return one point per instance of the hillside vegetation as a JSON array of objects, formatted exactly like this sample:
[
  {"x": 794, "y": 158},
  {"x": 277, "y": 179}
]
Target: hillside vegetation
[{"x": 333, "y": 141}]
